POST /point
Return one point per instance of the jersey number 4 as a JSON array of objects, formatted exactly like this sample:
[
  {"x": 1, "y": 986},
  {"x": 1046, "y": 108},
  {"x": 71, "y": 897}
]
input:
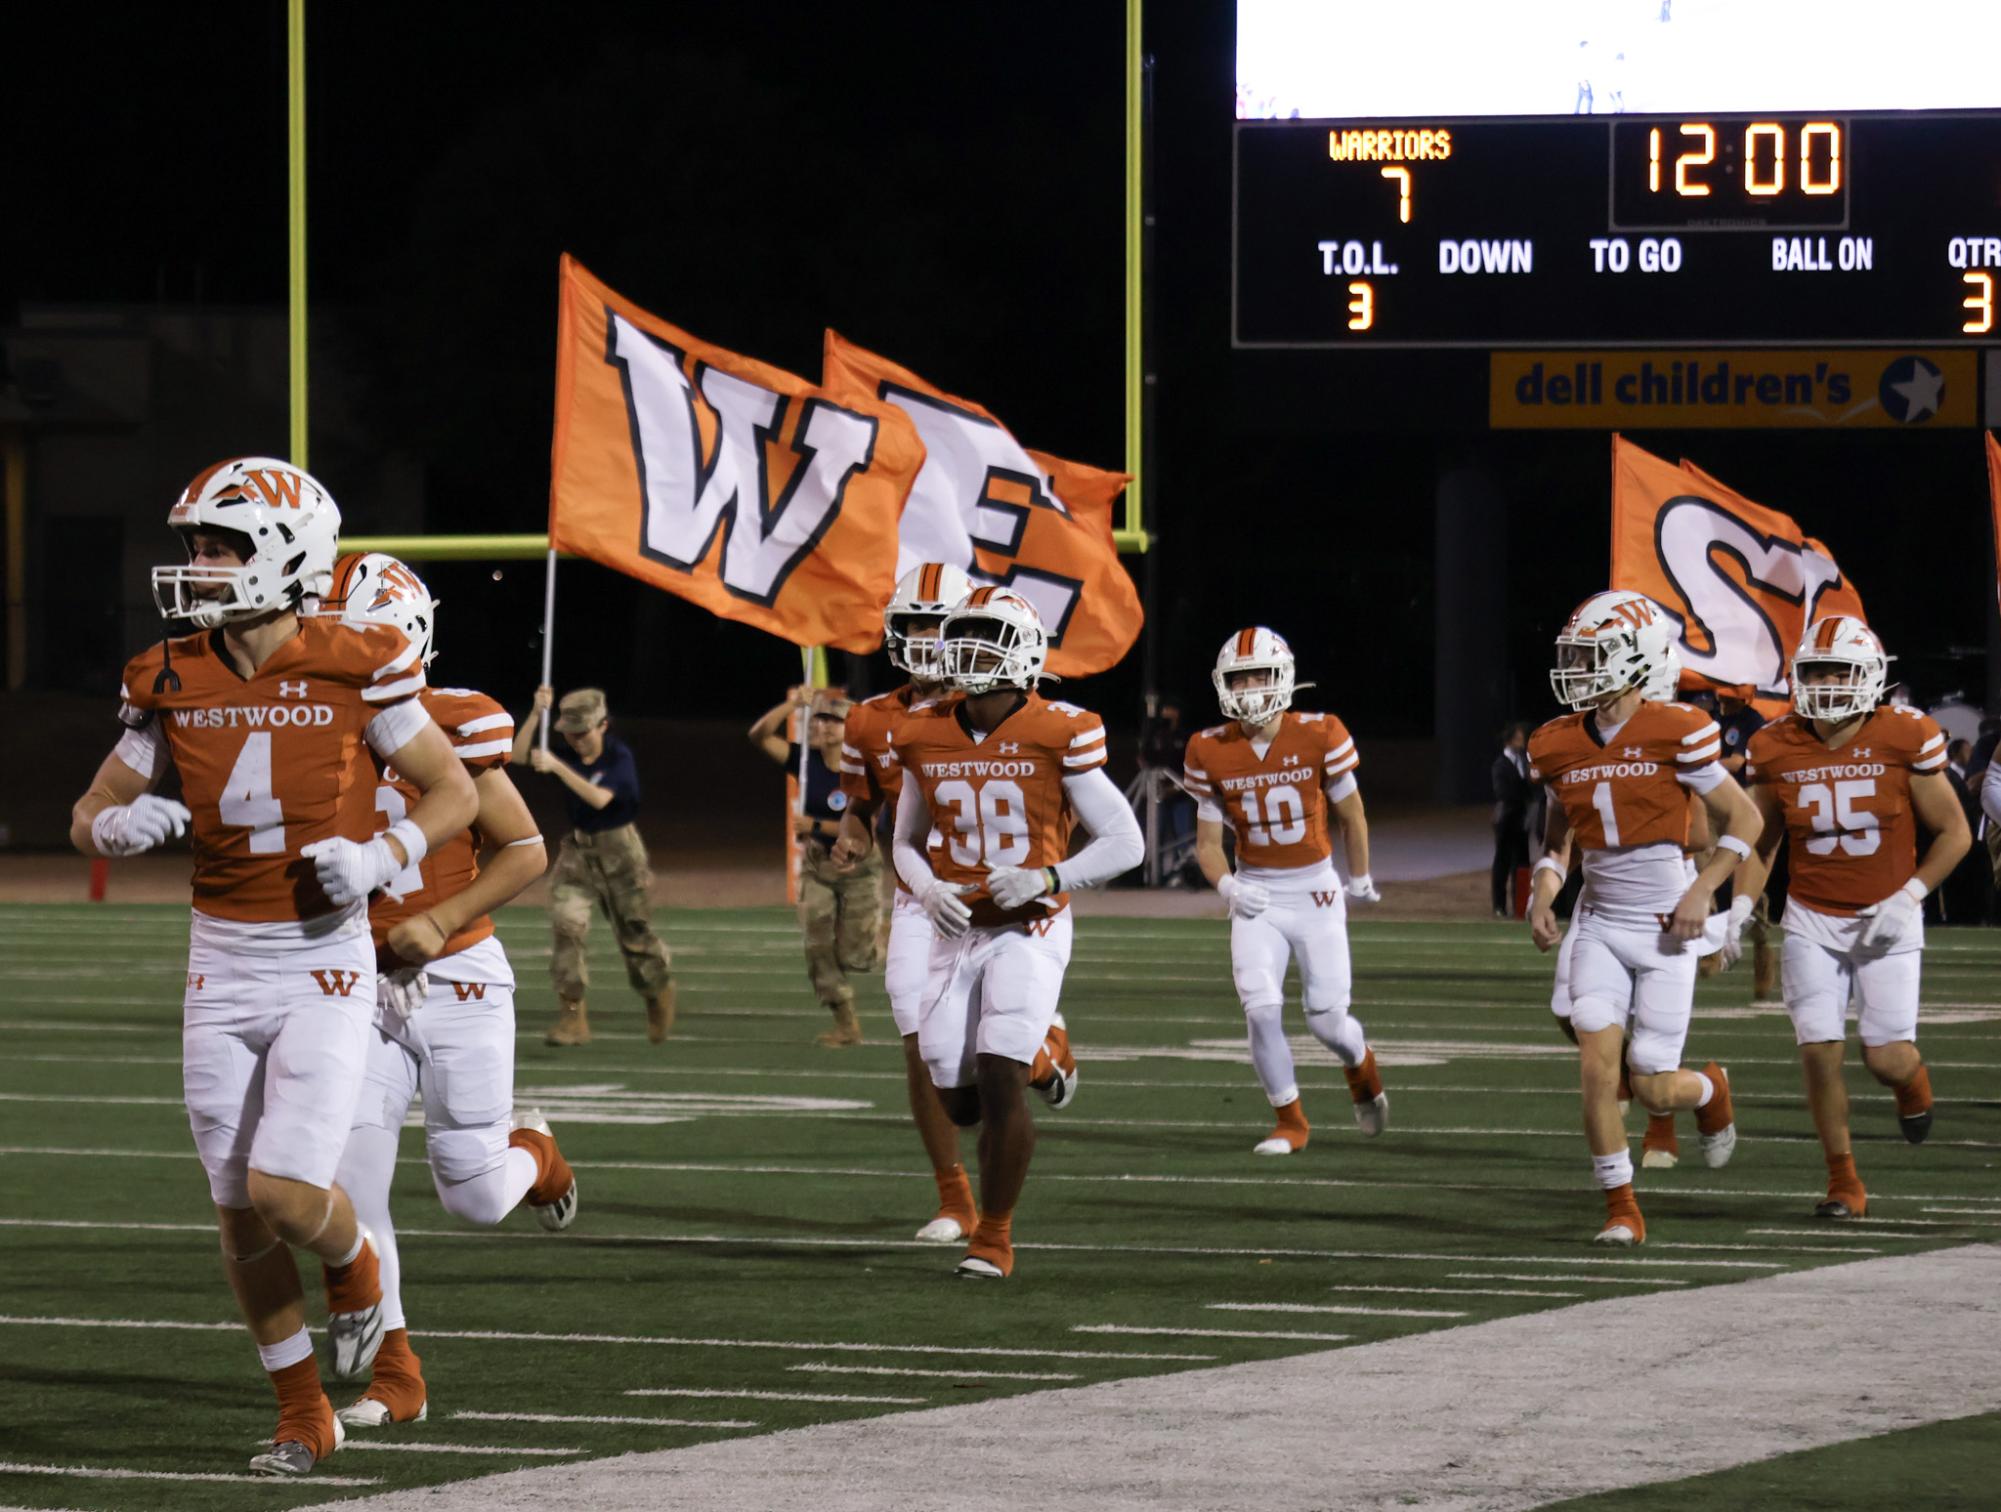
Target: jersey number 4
[
  {"x": 989, "y": 825},
  {"x": 247, "y": 799}
]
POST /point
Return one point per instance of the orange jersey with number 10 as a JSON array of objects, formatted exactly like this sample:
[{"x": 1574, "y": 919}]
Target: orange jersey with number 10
[
  {"x": 273, "y": 762},
  {"x": 482, "y": 733},
  {"x": 998, "y": 801},
  {"x": 1274, "y": 801},
  {"x": 1628, "y": 790},
  {"x": 1851, "y": 835}
]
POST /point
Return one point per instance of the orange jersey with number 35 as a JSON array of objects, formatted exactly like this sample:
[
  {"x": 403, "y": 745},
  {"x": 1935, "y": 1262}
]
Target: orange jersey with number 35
[
  {"x": 1275, "y": 800},
  {"x": 273, "y": 762},
  {"x": 1851, "y": 834},
  {"x": 482, "y": 733},
  {"x": 1633, "y": 788},
  {"x": 998, "y": 801}
]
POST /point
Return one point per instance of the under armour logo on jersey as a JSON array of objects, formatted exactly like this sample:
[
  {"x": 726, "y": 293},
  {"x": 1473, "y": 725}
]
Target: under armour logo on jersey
[
  {"x": 1010, "y": 747},
  {"x": 1633, "y": 753},
  {"x": 334, "y": 983},
  {"x": 195, "y": 982},
  {"x": 1289, "y": 761},
  {"x": 1859, "y": 751},
  {"x": 291, "y": 690},
  {"x": 470, "y": 990},
  {"x": 1325, "y": 899}
]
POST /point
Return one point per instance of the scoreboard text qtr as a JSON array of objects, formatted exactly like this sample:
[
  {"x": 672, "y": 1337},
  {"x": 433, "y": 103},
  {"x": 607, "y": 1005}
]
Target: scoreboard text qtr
[{"x": 1806, "y": 230}]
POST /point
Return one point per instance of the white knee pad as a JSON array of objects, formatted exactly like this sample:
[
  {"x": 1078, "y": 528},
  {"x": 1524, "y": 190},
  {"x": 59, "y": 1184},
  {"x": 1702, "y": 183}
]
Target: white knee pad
[
  {"x": 1589, "y": 1015},
  {"x": 1337, "y": 1029},
  {"x": 1264, "y": 1010},
  {"x": 482, "y": 1199},
  {"x": 461, "y": 1155}
]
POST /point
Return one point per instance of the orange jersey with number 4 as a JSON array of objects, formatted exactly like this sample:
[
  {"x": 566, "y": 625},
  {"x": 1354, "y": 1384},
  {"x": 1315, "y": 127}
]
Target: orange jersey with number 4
[
  {"x": 273, "y": 762},
  {"x": 1274, "y": 800},
  {"x": 1627, "y": 790},
  {"x": 1851, "y": 834},
  {"x": 482, "y": 733},
  {"x": 998, "y": 801}
]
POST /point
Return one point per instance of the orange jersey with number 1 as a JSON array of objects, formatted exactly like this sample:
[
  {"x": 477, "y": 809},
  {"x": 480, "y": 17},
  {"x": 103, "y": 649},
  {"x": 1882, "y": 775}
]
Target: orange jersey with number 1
[
  {"x": 998, "y": 801},
  {"x": 482, "y": 733},
  {"x": 1628, "y": 790},
  {"x": 1274, "y": 801},
  {"x": 273, "y": 762}
]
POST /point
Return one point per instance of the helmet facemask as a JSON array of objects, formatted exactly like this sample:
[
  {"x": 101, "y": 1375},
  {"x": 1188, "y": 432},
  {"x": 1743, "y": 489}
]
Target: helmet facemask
[
  {"x": 978, "y": 653},
  {"x": 208, "y": 594},
  {"x": 1258, "y": 699},
  {"x": 913, "y": 653},
  {"x": 1857, "y": 691}
]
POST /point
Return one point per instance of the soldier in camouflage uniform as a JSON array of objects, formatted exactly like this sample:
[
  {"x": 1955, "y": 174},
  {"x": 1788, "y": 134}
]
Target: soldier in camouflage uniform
[
  {"x": 839, "y": 902},
  {"x": 601, "y": 863}
]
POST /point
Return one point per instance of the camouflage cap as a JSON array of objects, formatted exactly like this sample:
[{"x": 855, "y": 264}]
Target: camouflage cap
[{"x": 579, "y": 711}]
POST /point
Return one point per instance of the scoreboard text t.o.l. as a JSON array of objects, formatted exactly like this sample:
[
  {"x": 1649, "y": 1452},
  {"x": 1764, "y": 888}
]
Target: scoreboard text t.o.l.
[{"x": 1797, "y": 228}]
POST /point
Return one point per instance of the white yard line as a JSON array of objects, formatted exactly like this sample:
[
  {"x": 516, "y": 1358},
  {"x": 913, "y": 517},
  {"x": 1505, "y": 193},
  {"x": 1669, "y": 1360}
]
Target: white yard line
[
  {"x": 1331, "y": 1307},
  {"x": 1568, "y": 1280},
  {"x": 103, "y": 1472},
  {"x": 1478, "y": 1291},
  {"x": 1843, "y": 1233},
  {"x": 1201, "y": 1333},
  {"x": 774, "y": 1396},
  {"x": 409, "y": 1446},
  {"x": 631, "y": 1422},
  {"x": 821, "y": 1367}
]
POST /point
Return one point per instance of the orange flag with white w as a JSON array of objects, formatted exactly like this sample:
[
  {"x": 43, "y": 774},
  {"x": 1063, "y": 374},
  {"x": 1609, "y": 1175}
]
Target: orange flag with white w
[
  {"x": 984, "y": 502},
  {"x": 756, "y": 494},
  {"x": 1742, "y": 581}
]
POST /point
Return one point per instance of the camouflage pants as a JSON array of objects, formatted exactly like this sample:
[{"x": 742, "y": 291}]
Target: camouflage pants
[
  {"x": 607, "y": 870},
  {"x": 837, "y": 916}
]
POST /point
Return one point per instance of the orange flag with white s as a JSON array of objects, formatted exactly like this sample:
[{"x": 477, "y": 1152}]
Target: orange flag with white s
[
  {"x": 1742, "y": 581},
  {"x": 729, "y": 482},
  {"x": 1038, "y": 523}
]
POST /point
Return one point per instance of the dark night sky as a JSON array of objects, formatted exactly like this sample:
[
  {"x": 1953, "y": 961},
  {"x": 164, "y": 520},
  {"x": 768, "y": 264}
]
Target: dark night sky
[{"x": 943, "y": 184}]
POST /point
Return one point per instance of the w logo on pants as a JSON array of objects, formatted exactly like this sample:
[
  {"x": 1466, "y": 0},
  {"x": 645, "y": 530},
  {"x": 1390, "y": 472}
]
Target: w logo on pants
[
  {"x": 1325, "y": 899},
  {"x": 336, "y": 983},
  {"x": 470, "y": 990}
]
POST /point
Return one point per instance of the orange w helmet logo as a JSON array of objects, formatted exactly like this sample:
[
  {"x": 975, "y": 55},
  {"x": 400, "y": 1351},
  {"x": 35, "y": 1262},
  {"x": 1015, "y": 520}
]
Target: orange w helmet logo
[{"x": 280, "y": 490}]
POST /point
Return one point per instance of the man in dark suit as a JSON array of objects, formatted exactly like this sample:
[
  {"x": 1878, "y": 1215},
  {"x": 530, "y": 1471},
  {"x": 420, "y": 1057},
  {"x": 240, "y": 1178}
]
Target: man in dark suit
[{"x": 1512, "y": 797}]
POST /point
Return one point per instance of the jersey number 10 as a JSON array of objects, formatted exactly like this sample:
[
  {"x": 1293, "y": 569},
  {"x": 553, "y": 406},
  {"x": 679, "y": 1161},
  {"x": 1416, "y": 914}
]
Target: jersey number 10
[{"x": 1283, "y": 821}]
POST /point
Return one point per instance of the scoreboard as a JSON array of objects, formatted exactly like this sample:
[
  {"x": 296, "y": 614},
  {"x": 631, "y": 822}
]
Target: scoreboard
[{"x": 1700, "y": 230}]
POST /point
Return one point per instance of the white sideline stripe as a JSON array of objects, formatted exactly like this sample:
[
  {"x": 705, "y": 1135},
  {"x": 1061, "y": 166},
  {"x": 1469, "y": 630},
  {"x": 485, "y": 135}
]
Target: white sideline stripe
[
  {"x": 774, "y": 1396},
  {"x": 1986, "y": 1212},
  {"x": 1479, "y": 1291},
  {"x": 1203, "y": 1333},
  {"x": 405, "y": 1446},
  {"x": 512, "y": 1336},
  {"x": 632, "y": 1422},
  {"x": 1332, "y": 1307},
  {"x": 103, "y": 1472},
  {"x": 1842, "y": 1232},
  {"x": 1571, "y": 1280},
  {"x": 821, "y": 1367}
]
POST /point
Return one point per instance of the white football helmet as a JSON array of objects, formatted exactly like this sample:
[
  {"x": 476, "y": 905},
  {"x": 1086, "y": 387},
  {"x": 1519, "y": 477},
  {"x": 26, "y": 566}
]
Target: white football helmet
[
  {"x": 992, "y": 639},
  {"x": 1255, "y": 649},
  {"x": 1612, "y": 643},
  {"x": 1842, "y": 642},
  {"x": 927, "y": 593},
  {"x": 370, "y": 588},
  {"x": 290, "y": 523},
  {"x": 1665, "y": 685}
]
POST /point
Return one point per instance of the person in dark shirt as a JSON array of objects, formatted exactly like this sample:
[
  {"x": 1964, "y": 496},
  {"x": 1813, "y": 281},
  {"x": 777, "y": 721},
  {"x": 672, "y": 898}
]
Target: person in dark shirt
[
  {"x": 839, "y": 902},
  {"x": 1512, "y": 793},
  {"x": 601, "y": 863}
]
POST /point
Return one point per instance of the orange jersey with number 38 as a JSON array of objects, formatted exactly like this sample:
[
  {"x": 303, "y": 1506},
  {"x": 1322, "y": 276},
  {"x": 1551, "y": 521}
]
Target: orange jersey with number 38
[
  {"x": 273, "y": 762},
  {"x": 998, "y": 801},
  {"x": 1628, "y": 790},
  {"x": 1851, "y": 835},
  {"x": 1275, "y": 800},
  {"x": 482, "y": 733}
]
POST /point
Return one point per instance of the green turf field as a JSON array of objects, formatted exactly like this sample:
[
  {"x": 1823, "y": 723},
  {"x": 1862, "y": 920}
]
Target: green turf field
[{"x": 743, "y": 1261}]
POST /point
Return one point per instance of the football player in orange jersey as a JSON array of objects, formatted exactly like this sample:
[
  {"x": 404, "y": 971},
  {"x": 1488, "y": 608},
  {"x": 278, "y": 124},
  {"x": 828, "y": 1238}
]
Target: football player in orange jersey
[
  {"x": 269, "y": 719},
  {"x": 444, "y": 1022},
  {"x": 1846, "y": 784},
  {"x": 870, "y": 778},
  {"x": 1620, "y": 769},
  {"x": 994, "y": 783},
  {"x": 1279, "y": 778}
]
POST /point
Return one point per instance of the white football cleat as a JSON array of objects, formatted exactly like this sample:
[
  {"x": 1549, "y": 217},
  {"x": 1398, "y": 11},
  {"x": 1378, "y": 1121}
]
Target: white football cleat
[
  {"x": 1718, "y": 1148},
  {"x": 369, "y": 1413},
  {"x": 1659, "y": 1160},
  {"x": 1276, "y": 1145},
  {"x": 1619, "y": 1235},
  {"x": 976, "y": 1269},
  {"x": 1373, "y": 1116},
  {"x": 292, "y": 1457},
  {"x": 354, "y": 1337},
  {"x": 942, "y": 1230}
]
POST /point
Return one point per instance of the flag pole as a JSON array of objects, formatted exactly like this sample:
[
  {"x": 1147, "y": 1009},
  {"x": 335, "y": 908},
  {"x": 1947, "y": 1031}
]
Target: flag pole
[
  {"x": 295, "y": 71},
  {"x": 548, "y": 644}
]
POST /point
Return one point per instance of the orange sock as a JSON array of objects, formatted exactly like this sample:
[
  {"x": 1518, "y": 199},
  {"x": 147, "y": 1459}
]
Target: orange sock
[
  {"x": 552, "y": 1172},
  {"x": 398, "y": 1381},
  {"x": 1364, "y": 1083},
  {"x": 1660, "y": 1133},
  {"x": 1292, "y": 1126},
  {"x": 955, "y": 1195},
  {"x": 1841, "y": 1175},
  {"x": 1621, "y": 1206},
  {"x": 357, "y": 1286},
  {"x": 994, "y": 1239},
  {"x": 304, "y": 1413},
  {"x": 1915, "y": 1096}
]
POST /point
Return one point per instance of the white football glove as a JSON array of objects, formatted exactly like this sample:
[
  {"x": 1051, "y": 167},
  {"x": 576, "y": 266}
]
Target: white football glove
[
  {"x": 1362, "y": 889},
  {"x": 1246, "y": 898},
  {"x": 946, "y": 910},
  {"x": 1012, "y": 886},
  {"x": 1734, "y": 922},
  {"x": 348, "y": 871},
  {"x": 126, "y": 829},
  {"x": 401, "y": 992},
  {"x": 1893, "y": 918}
]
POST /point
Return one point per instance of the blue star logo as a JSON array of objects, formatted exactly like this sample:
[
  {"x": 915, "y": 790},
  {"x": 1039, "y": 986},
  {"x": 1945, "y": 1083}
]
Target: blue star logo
[{"x": 1911, "y": 390}]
